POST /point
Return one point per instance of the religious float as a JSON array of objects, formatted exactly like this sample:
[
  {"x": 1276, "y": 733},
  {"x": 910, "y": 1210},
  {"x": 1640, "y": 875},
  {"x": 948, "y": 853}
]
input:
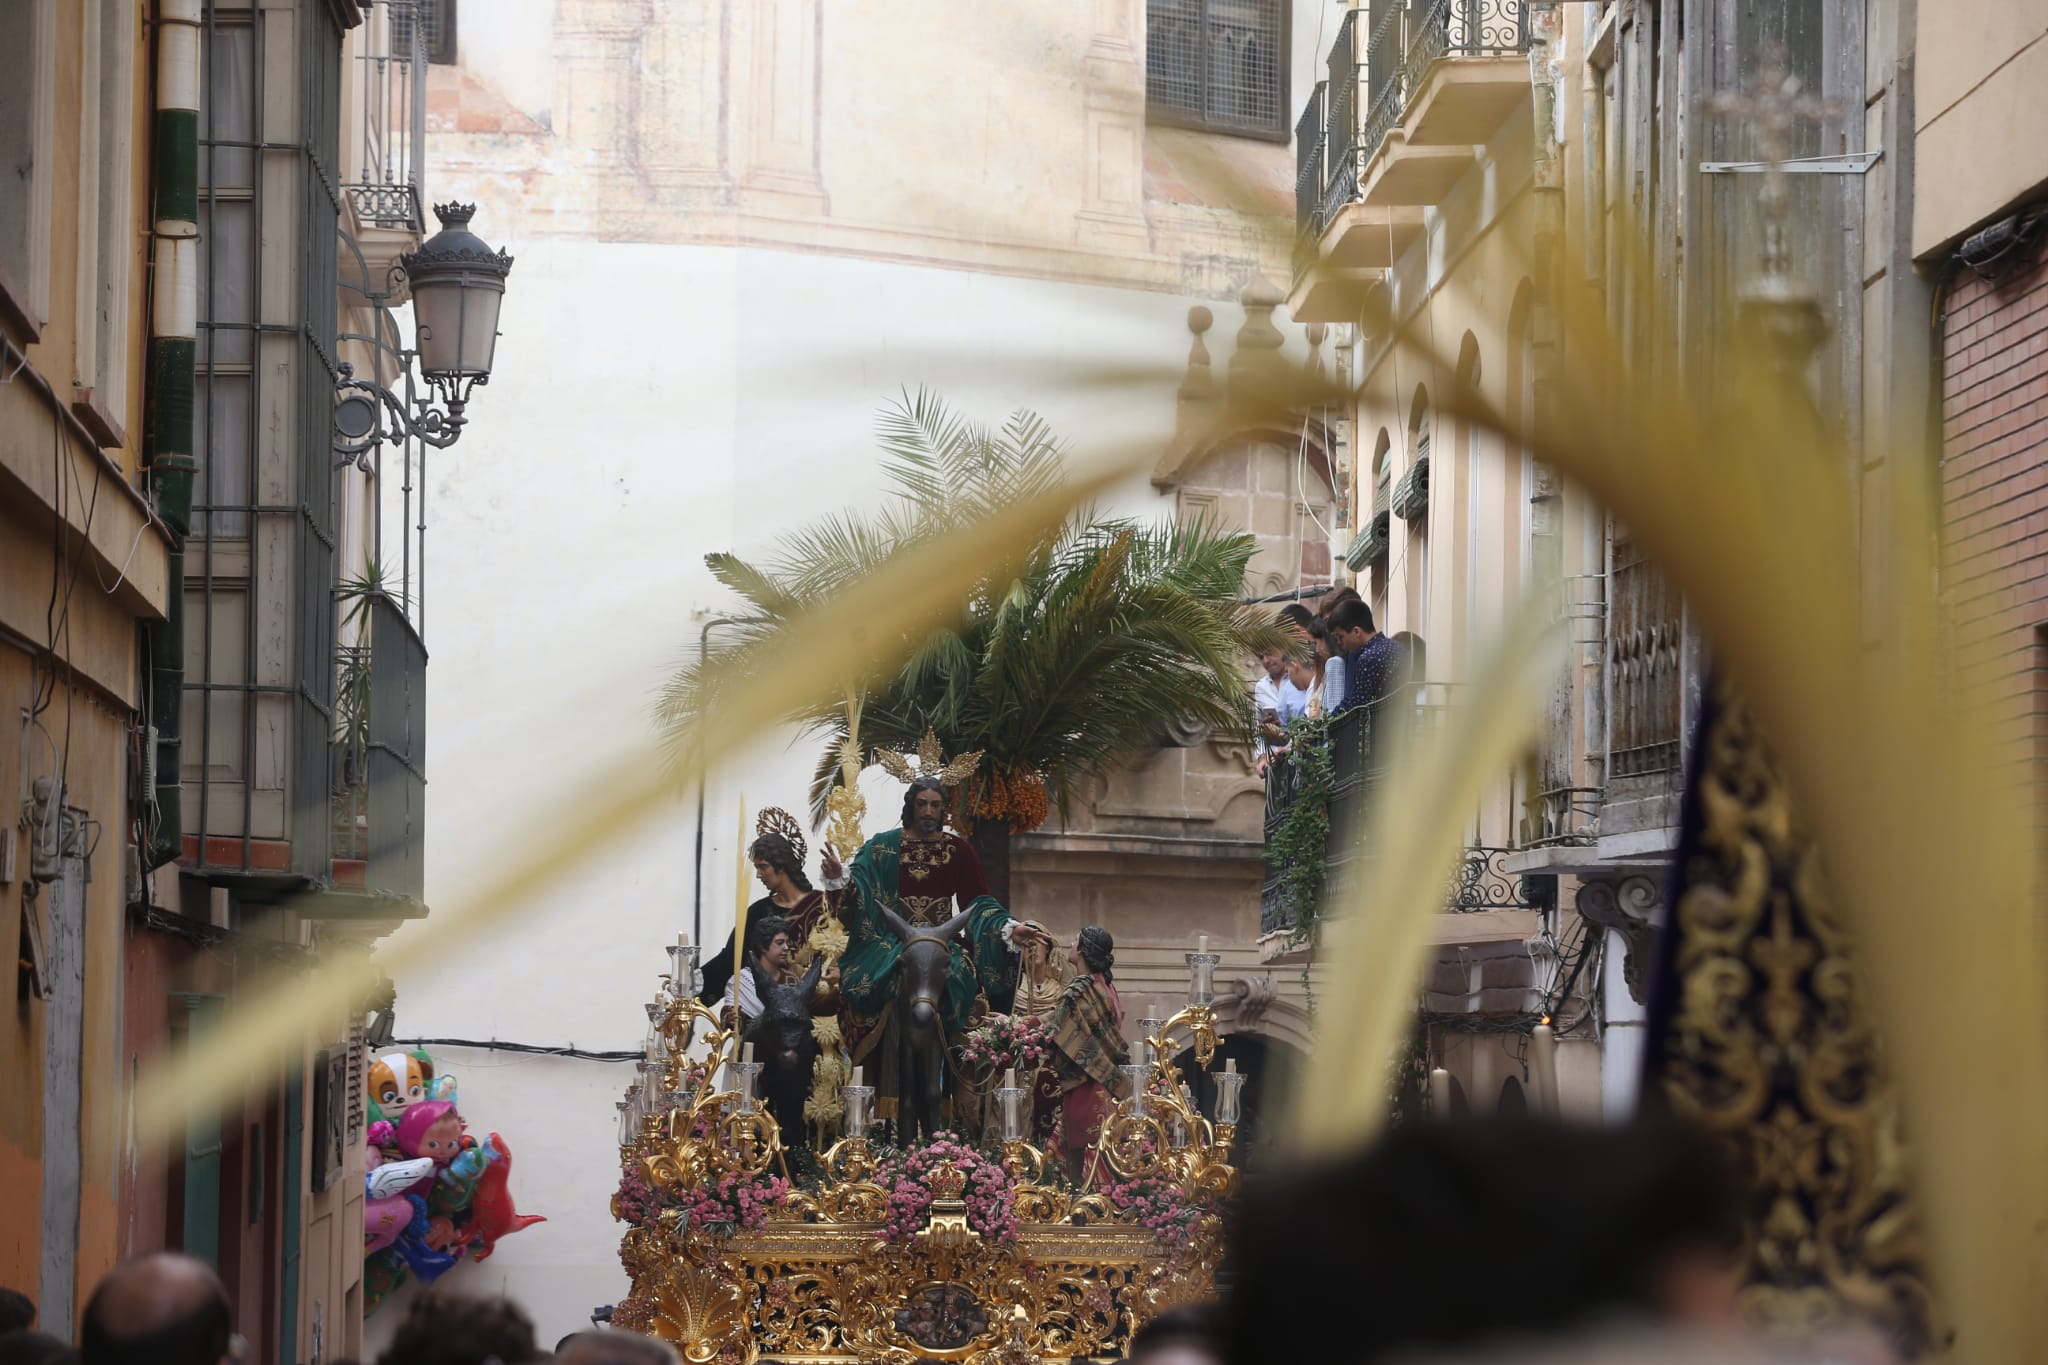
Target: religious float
[{"x": 740, "y": 1250}]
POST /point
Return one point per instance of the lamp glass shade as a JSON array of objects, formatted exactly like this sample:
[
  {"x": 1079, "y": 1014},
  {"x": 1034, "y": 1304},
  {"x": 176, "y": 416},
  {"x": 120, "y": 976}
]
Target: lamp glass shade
[
  {"x": 456, "y": 312},
  {"x": 858, "y": 1099},
  {"x": 1229, "y": 1096}
]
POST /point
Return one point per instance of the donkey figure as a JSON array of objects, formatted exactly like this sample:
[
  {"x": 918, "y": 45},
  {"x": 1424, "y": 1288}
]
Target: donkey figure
[
  {"x": 781, "y": 1035},
  {"x": 920, "y": 1038}
]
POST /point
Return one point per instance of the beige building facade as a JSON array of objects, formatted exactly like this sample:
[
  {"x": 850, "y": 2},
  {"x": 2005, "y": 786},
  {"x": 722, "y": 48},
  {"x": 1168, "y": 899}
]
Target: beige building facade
[
  {"x": 171, "y": 315},
  {"x": 1459, "y": 158}
]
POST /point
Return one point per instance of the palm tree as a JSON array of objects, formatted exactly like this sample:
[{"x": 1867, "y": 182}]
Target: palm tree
[{"x": 1064, "y": 662}]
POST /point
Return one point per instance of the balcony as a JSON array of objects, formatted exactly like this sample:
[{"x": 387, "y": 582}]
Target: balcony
[
  {"x": 380, "y": 781},
  {"x": 1413, "y": 87},
  {"x": 1362, "y": 745},
  {"x": 384, "y": 130}
]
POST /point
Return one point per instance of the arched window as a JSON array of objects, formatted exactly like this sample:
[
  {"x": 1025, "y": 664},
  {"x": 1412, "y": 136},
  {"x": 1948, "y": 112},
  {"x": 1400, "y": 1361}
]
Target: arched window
[{"x": 1416, "y": 485}]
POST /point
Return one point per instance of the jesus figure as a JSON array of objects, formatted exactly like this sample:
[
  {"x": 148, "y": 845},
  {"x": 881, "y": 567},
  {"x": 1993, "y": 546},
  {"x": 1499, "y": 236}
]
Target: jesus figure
[{"x": 921, "y": 872}]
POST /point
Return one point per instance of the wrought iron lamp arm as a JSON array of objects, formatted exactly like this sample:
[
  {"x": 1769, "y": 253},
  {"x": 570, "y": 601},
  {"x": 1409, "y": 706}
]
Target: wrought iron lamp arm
[{"x": 429, "y": 424}]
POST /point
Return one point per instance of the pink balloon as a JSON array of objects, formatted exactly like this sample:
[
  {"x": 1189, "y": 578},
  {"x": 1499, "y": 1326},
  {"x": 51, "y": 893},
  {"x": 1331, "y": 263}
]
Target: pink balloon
[{"x": 383, "y": 1220}]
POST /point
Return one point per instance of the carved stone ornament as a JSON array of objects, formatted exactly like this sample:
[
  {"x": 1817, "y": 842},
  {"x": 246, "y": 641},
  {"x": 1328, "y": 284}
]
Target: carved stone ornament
[
  {"x": 1628, "y": 905},
  {"x": 1765, "y": 1037}
]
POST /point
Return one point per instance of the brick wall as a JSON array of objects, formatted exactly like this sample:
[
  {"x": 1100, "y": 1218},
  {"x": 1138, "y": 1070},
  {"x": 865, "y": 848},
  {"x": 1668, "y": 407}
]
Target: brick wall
[{"x": 1994, "y": 476}]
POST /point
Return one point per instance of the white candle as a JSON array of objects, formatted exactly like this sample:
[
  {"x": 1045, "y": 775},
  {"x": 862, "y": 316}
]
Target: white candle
[
  {"x": 1543, "y": 1062},
  {"x": 1201, "y": 943},
  {"x": 683, "y": 939},
  {"x": 1010, "y": 1079},
  {"x": 856, "y": 1075},
  {"x": 1440, "y": 1093},
  {"x": 1230, "y": 1066},
  {"x": 746, "y": 1052}
]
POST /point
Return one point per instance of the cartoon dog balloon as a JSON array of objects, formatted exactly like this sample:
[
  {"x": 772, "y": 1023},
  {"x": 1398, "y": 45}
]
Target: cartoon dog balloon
[{"x": 433, "y": 1194}]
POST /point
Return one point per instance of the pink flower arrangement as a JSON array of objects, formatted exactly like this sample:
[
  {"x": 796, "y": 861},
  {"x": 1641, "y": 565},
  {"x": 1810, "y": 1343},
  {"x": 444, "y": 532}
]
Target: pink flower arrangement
[
  {"x": 990, "y": 1193},
  {"x": 1005, "y": 1041},
  {"x": 734, "y": 1201},
  {"x": 1160, "y": 1208},
  {"x": 639, "y": 1203}
]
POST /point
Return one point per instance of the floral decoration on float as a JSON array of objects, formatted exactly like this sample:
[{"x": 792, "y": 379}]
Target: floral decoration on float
[{"x": 740, "y": 1250}]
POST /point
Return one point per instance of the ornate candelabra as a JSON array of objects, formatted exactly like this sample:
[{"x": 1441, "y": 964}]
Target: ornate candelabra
[{"x": 1001, "y": 1259}]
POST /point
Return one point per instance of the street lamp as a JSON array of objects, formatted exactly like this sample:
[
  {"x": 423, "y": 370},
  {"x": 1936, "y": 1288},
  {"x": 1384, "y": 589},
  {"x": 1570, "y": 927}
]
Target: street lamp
[{"x": 457, "y": 285}]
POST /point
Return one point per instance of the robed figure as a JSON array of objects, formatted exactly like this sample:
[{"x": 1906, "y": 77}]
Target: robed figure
[{"x": 913, "y": 889}]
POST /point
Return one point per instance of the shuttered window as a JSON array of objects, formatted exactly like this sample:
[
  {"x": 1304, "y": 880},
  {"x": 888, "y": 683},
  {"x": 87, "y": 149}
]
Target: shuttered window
[{"x": 1220, "y": 65}]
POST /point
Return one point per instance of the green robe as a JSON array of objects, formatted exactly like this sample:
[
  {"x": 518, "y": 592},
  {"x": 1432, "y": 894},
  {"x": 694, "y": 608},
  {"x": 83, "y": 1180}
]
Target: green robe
[{"x": 867, "y": 970}]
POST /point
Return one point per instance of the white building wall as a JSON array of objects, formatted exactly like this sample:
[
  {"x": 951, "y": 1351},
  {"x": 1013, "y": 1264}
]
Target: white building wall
[{"x": 652, "y": 404}]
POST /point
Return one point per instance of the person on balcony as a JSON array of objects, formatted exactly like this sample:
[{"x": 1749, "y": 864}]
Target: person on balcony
[
  {"x": 1373, "y": 663},
  {"x": 1266, "y": 706},
  {"x": 1335, "y": 683}
]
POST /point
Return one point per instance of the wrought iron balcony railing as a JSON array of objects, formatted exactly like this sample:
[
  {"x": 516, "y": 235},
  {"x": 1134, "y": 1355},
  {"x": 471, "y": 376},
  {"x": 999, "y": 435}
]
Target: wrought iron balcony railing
[
  {"x": 1383, "y": 51},
  {"x": 379, "y": 799},
  {"x": 389, "y": 91},
  {"x": 1363, "y": 744},
  {"x": 1309, "y": 148}
]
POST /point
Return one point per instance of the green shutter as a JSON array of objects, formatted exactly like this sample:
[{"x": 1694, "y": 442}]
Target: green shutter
[{"x": 201, "y": 1233}]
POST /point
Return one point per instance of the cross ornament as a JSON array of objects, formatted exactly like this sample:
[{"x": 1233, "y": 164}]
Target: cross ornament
[{"x": 1772, "y": 104}]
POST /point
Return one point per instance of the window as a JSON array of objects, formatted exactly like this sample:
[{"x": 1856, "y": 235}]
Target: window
[
  {"x": 435, "y": 20},
  {"x": 27, "y": 132},
  {"x": 1218, "y": 64},
  {"x": 229, "y": 273},
  {"x": 107, "y": 245}
]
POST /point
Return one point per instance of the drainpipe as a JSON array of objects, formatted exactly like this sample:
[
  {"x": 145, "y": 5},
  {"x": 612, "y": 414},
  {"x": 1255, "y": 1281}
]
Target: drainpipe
[
  {"x": 174, "y": 329},
  {"x": 697, "y": 899}
]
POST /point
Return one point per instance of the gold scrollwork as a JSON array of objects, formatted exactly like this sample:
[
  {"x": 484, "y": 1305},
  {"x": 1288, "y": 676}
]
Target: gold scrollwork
[{"x": 1772, "y": 1046}]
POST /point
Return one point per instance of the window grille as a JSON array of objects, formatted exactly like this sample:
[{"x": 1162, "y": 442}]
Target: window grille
[
  {"x": 435, "y": 20},
  {"x": 1218, "y": 64}
]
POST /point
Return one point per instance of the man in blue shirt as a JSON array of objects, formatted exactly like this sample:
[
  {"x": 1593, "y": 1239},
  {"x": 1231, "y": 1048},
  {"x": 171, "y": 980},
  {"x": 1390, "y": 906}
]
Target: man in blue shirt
[{"x": 1372, "y": 661}]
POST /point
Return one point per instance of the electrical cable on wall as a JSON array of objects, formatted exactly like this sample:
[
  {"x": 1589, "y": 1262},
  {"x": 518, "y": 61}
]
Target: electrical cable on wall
[{"x": 527, "y": 1049}]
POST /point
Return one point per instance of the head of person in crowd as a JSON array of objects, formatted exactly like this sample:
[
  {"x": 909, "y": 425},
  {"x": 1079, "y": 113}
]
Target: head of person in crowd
[
  {"x": 17, "y": 1311},
  {"x": 612, "y": 1348},
  {"x": 1274, "y": 663},
  {"x": 25, "y": 1347},
  {"x": 1335, "y": 598},
  {"x": 441, "y": 1328},
  {"x": 160, "y": 1309},
  {"x": 1474, "y": 1233},
  {"x": 1184, "y": 1336},
  {"x": 1294, "y": 618},
  {"x": 1351, "y": 626},
  {"x": 1416, "y": 651},
  {"x": 1303, "y": 670},
  {"x": 1320, "y": 647}
]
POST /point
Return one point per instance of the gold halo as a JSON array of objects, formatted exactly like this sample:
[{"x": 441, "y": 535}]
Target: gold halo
[{"x": 776, "y": 820}]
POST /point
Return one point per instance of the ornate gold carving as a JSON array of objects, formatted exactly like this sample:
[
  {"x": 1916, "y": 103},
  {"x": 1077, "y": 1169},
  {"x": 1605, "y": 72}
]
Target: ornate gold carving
[
  {"x": 775, "y": 820},
  {"x": 1771, "y": 1045},
  {"x": 820, "y": 1282},
  {"x": 931, "y": 762}
]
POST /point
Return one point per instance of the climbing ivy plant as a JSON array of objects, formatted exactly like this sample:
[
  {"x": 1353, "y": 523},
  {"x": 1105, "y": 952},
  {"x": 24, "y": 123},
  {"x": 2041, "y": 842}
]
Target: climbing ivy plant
[{"x": 1302, "y": 838}]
